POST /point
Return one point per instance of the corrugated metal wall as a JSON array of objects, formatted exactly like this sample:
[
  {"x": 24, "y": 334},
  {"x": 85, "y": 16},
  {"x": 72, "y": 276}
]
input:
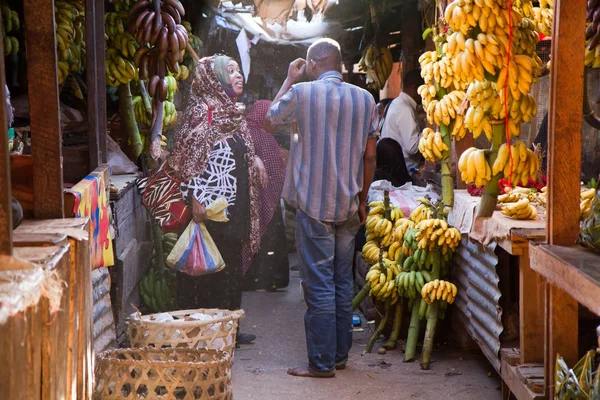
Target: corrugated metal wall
[
  {"x": 477, "y": 304},
  {"x": 104, "y": 323}
]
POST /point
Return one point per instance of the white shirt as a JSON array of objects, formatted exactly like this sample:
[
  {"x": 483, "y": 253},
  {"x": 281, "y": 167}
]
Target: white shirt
[{"x": 402, "y": 125}]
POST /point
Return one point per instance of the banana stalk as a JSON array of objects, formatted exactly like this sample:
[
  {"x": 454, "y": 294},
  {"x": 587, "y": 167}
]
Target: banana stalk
[
  {"x": 490, "y": 195},
  {"x": 128, "y": 120},
  {"x": 386, "y": 205},
  {"x": 432, "y": 318},
  {"x": 413, "y": 332},
  {"x": 360, "y": 296},
  {"x": 447, "y": 181},
  {"x": 380, "y": 328},
  {"x": 391, "y": 344}
]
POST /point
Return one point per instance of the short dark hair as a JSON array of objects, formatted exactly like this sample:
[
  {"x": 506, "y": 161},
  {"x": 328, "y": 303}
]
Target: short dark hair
[{"x": 412, "y": 79}]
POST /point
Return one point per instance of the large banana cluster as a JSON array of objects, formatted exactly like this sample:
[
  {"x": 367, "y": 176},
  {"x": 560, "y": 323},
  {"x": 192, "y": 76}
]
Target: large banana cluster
[
  {"x": 522, "y": 209},
  {"x": 474, "y": 167},
  {"x": 424, "y": 258},
  {"x": 437, "y": 234},
  {"x": 119, "y": 70},
  {"x": 423, "y": 211},
  {"x": 381, "y": 278},
  {"x": 380, "y": 232},
  {"x": 410, "y": 283},
  {"x": 10, "y": 23},
  {"x": 524, "y": 163},
  {"x": 70, "y": 34},
  {"x": 437, "y": 70},
  {"x": 377, "y": 62},
  {"x": 445, "y": 110},
  {"x": 431, "y": 145},
  {"x": 439, "y": 290},
  {"x": 524, "y": 7},
  {"x": 143, "y": 116},
  {"x": 587, "y": 195},
  {"x": 544, "y": 16},
  {"x": 162, "y": 41},
  {"x": 158, "y": 289}
]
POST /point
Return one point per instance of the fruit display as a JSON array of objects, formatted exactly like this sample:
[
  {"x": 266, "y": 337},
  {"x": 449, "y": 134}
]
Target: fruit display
[
  {"x": 157, "y": 287},
  {"x": 70, "y": 34},
  {"x": 522, "y": 209},
  {"x": 157, "y": 28},
  {"x": 10, "y": 23},
  {"x": 589, "y": 235},
  {"x": 431, "y": 145},
  {"x": 587, "y": 197},
  {"x": 119, "y": 70},
  {"x": 377, "y": 62},
  {"x": 408, "y": 255}
]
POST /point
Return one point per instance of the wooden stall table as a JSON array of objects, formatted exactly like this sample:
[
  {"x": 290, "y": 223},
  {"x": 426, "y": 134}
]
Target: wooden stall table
[{"x": 521, "y": 369}]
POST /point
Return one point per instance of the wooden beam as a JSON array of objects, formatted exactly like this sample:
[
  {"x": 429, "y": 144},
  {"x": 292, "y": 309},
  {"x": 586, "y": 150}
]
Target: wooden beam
[
  {"x": 5, "y": 185},
  {"x": 565, "y": 122},
  {"x": 96, "y": 81},
  {"x": 44, "y": 106},
  {"x": 531, "y": 312}
]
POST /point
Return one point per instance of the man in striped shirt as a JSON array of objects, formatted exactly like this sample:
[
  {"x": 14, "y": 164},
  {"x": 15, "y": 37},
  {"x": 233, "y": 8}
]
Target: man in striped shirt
[{"x": 330, "y": 168}]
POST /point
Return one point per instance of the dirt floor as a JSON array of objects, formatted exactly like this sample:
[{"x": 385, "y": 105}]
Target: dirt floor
[{"x": 259, "y": 371}]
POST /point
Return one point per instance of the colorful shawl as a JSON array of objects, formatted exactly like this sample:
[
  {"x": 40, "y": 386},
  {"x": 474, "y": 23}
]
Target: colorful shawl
[
  {"x": 210, "y": 117},
  {"x": 269, "y": 152}
]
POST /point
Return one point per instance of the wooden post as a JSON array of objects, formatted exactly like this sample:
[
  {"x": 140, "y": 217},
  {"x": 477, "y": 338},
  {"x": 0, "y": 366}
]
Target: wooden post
[
  {"x": 44, "y": 107},
  {"x": 564, "y": 166},
  {"x": 531, "y": 312},
  {"x": 5, "y": 189},
  {"x": 96, "y": 81}
]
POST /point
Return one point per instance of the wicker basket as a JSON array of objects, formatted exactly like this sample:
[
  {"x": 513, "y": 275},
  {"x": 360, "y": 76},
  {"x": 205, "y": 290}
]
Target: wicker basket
[
  {"x": 174, "y": 374},
  {"x": 218, "y": 333}
]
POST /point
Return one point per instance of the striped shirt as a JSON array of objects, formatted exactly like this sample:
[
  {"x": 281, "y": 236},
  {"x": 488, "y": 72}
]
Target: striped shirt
[{"x": 331, "y": 122}]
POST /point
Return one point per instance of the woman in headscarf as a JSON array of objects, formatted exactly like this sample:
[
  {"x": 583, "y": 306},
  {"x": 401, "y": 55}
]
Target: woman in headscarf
[
  {"x": 267, "y": 270},
  {"x": 214, "y": 157}
]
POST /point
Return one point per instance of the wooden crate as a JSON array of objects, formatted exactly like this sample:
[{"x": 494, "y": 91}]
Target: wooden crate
[{"x": 75, "y": 233}]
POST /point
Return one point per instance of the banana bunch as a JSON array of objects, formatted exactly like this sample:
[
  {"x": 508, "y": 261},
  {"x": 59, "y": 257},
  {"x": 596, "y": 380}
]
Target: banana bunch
[
  {"x": 158, "y": 291},
  {"x": 69, "y": 18},
  {"x": 115, "y": 23},
  {"x": 592, "y": 34},
  {"x": 511, "y": 197},
  {"x": 122, "y": 5},
  {"x": 196, "y": 44},
  {"x": 169, "y": 114},
  {"x": 431, "y": 145},
  {"x": 171, "y": 87},
  {"x": 395, "y": 251},
  {"x": 443, "y": 111},
  {"x": 522, "y": 209},
  {"x": 587, "y": 195},
  {"x": 75, "y": 87},
  {"x": 125, "y": 43},
  {"x": 474, "y": 167},
  {"x": 519, "y": 75},
  {"x": 377, "y": 62},
  {"x": 371, "y": 252},
  {"x": 118, "y": 69},
  {"x": 543, "y": 17},
  {"x": 10, "y": 23},
  {"x": 524, "y": 162},
  {"x": 142, "y": 114},
  {"x": 526, "y": 37},
  {"x": 439, "y": 290},
  {"x": 162, "y": 40},
  {"x": 409, "y": 284},
  {"x": 421, "y": 212},
  {"x": 424, "y": 258},
  {"x": 590, "y": 227},
  {"x": 401, "y": 226},
  {"x": 378, "y": 226},
  {"x": 524, "y": 7},
  {"x": 168, "y": 243},
  {"x": 435, "y": 233},
  {"x": 436, "y": 69},
  {"x": 183, "y": 74},
  {"x": 381, "y": 278},
  {"x": 489, "y": 16}
]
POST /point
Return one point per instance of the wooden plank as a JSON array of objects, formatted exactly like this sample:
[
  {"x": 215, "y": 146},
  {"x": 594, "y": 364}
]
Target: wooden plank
[
  {"x": 525, "y": 372},
  {"x": 44, "y": 106},
  {"x": 96, "y": 96},
  {"x": 572, "y": 269},
  {"x": 5, "y": 185},
  {"x": 531, "y": 312},
  {"x": 520, "y": 390},
  {"x": 564, "y": 158}
]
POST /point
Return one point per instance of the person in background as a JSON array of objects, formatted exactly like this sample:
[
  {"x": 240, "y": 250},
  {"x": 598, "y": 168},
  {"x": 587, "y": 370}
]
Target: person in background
[
  {"x": 382, "y": 109},
  {"x": 214, "y": 158},
  {"x": 390, "y": 163},
  {"x": 402, "y": 123},
  {"x": 269, "y": 268},
  {"x": 330, "y": 168}
]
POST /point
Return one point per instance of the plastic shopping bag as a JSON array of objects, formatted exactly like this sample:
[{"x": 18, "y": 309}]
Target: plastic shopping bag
[{"x": 195, "y": 252}]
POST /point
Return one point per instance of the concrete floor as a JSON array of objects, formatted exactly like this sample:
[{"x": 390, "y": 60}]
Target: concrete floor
[{"x": 259, "y": 370}]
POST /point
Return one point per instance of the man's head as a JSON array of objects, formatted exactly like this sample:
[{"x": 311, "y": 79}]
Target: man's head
[
  {"x": 411, "y": 82},
  {"x": 323, "y": 55}
]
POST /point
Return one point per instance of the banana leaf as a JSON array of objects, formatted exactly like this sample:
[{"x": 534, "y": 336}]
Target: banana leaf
[{"x": 576, "y": 383}]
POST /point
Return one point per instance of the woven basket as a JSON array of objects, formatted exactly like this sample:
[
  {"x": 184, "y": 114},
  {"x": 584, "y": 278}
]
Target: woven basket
[
  {"x": 218, "y": 333},
  {"x": 174, "y": 374}
]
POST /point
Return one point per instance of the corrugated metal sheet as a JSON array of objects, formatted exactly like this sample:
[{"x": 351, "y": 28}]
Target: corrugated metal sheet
[
  {"x": 478, "y": 294},
  {"x": 104, "y": 324}
]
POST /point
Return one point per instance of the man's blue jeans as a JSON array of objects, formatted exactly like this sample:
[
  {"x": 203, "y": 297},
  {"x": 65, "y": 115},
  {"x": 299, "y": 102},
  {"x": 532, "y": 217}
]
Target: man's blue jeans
[{"x": 325, "y": 254}]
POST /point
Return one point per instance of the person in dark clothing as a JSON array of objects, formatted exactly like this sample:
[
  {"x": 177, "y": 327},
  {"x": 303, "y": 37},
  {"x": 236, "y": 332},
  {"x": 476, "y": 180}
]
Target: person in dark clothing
[{"x": 390, "y": 163}]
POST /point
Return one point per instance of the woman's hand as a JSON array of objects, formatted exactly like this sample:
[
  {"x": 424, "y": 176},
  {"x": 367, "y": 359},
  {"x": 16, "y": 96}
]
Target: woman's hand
[
  {"x": 262, "y": 172},
  {"x": 198, "y": 211}
]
